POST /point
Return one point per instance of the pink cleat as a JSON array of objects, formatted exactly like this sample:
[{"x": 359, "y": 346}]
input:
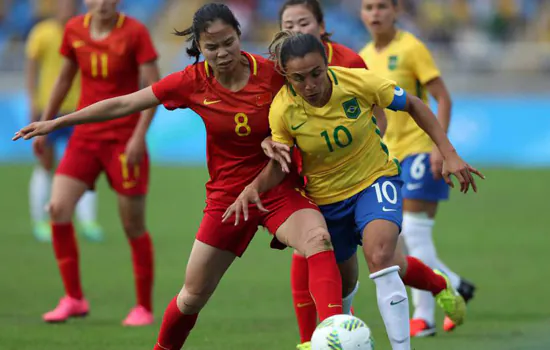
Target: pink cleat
[
  {"x": 67, "y": 307},
  {"x": 138, "y": 316}
]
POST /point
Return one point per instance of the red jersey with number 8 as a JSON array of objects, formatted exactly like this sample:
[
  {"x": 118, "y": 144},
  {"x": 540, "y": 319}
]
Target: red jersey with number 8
[
  {"x": 109, "y": 68},
  {"x": 236, "y": 122}
]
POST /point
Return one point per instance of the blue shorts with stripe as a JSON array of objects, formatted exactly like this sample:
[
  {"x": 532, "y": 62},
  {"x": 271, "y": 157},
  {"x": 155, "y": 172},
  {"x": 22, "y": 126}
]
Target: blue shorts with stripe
[{"x": 347, "y": 219}]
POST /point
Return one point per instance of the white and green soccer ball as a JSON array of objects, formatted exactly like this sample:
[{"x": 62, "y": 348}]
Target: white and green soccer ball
[{"x": 342, "y": 332}]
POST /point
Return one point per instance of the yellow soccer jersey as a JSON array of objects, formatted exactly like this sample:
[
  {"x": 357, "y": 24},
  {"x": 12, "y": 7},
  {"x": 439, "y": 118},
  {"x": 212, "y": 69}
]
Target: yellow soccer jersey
[
  {"x": 409, "y": 63},
  {"x": 340, "y": 143},
  {"x": 43, "y": 46}
]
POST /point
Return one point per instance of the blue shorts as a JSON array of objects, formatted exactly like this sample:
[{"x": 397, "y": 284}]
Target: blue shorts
[
  {"x": 418, "y": 181},
  {"x": 347, "y": 219},
  {"x": 58, "y": 135}
]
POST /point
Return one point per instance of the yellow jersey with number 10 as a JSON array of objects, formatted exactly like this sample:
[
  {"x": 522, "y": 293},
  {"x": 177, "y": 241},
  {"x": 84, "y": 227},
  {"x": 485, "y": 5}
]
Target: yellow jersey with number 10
[
  {"x": 409, "y": 63},
  {"x": 340, "y": 144}
]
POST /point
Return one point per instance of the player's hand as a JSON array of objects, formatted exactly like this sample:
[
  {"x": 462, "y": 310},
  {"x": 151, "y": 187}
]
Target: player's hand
[
  {"x": 248, "y": 195},
  {"x": 35, "y": 129},
  {"x": 454, "y": 165},
  {"x": 436, "y": 163},
  {"x": 135, "y": 150},
  {"x": 277, "y": 151}
]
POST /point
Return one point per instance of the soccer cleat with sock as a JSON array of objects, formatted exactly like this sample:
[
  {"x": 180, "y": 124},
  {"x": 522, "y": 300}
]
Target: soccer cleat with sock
[
  {"x": 68, "y": 307},
  {"x": 304, "y": 346},
  {"x": 451, "y": 302},
  {"x": 421, "y": 328},
  {"x": 91, "y": 230},
  {"x": 138, "y": 316},
  {"x": 467, "y": 290},
  {"x": 42, "y": 231}
]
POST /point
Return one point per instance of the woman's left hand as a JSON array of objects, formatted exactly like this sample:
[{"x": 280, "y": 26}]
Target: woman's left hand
[{"x": 454, "y": 165}]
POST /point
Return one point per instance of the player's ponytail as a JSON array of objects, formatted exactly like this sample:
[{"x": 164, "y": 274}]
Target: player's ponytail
[
  {"x": 286, "y": 45},
  {"x": 202, "y": 19},
  {"x": 313, "y": 6}
]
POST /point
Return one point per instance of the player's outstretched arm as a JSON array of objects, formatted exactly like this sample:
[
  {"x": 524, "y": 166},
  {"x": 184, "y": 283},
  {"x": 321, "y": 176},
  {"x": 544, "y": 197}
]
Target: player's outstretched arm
[
  {"x": 453, "y": 164},
  {"x": 271, "y": 176},
  {"x": 112, "y": 108}
]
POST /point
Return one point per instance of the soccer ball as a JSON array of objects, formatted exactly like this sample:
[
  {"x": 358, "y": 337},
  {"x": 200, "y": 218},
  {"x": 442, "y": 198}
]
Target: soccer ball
[{"x": 342, "y": 332}]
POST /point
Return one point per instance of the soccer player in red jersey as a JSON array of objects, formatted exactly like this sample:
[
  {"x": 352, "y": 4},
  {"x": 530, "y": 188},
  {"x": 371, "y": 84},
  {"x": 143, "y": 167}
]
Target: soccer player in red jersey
[
  {"x": 232, "y": 91},
  {"x": 112, "y": 52}
]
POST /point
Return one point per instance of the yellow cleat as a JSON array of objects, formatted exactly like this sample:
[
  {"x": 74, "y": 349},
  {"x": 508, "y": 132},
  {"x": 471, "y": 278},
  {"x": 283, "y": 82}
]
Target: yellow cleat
[
  {"x": 304, "y": 346},
  {"x": 451, "y": 302}
]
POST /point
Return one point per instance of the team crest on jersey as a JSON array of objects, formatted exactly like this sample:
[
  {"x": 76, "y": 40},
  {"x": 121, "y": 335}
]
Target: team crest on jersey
[
  {"x": 351, "y": 108},
  {"x": 392, "y": 62}
]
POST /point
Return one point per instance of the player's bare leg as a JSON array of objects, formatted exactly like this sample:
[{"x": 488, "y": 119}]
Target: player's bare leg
[
  {"x": 205, "y": 269},
  {"x": 39, "y": 192},
  {"x": 66, "y": 192},
  {"x": 306, "y": 231},
  {"x": 379, "y": 245},
  {"x": 418, "y": 222},
  {"x": 132, "y": 215}
]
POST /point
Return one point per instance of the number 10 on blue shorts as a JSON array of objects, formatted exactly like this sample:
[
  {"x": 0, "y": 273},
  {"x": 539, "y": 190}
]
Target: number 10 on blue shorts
[{"x": 347, "y": 219}]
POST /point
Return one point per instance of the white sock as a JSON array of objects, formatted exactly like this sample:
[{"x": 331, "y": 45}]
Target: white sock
[
  {"x": 394, "y": 306},
  {"x": 39, "y": 193},
  {"x": 86, "y": 209},
  {"x": 348, "y": 300}
]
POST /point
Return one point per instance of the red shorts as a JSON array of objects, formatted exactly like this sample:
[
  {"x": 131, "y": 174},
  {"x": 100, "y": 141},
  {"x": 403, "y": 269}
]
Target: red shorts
[
  {"x": 282, "y": 202},
  {"x": 85, "y": 160}
]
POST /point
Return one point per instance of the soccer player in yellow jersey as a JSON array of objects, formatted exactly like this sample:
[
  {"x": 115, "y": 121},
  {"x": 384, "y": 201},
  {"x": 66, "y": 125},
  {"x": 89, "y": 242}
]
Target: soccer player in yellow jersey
[
  {"x": 327, "y": 114},
  {"x": 43, "y": 66},
  {"x": 400, "y": 56}
]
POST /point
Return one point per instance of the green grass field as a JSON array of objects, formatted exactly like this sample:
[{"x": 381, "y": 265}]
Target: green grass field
[{"x": 497, "y": 238}]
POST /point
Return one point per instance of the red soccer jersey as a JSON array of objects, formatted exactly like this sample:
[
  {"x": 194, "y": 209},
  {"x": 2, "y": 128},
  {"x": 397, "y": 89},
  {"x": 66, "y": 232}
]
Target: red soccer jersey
[
  {"x": 109, "y": 68},
  {"x": 342, "y": 56},
  {"x": 236, "y": 122}
]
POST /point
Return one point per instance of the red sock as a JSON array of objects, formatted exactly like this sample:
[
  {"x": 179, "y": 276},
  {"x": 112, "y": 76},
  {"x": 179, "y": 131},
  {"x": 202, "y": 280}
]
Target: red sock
[
  {"x": 420, "y": 276},
  {"x": 304, "y": 306},
  {"x": 325, "y": 284},
  {"x": 142, "y": 259},
  {"x": 66, "y": 254},
  {"x": 175, "y": 328}
]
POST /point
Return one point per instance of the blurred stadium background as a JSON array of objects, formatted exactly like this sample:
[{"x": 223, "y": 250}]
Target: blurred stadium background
[{"x": 495, "y": 57}]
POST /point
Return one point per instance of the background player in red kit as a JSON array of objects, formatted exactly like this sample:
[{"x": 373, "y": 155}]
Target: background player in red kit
[
  {"x": 232, "y": 92},
  {"x": 111, "y": 51}
]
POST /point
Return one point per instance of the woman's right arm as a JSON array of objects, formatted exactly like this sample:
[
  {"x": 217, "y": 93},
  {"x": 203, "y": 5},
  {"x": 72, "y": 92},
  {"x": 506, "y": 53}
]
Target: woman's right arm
[
  {"x": 112, "y": 108},
  {"x": 60, "y": 89}
]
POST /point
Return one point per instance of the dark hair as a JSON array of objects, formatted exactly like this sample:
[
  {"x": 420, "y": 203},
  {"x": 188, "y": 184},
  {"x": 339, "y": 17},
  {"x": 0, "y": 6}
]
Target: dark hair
[
  {"x": 314, "y": 6},
  {"x": 202, "y": 19},
  {"x": 286, "y": 45}
]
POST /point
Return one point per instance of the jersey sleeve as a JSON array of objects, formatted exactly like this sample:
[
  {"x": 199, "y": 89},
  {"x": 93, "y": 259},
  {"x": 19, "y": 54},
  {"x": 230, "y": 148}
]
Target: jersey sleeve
[
  {"x": 33, "y": 47},
  {"x": 423, "y": 64},
  {"x": 357, "y": 62},
  {"x": 145, "y": 50},
  {"x": 66, "y": 48},
  {"x": 174, "y": 90},
  {"x": 374, "y": 89},
  {"x": 277, "y": 123}
]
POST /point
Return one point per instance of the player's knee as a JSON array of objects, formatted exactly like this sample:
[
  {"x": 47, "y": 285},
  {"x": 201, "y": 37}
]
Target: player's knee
[
  {"x": 133, "y": 228},
  {"x": 380, "y": 258},
  {"x": 315, "y": 241},
  {"x": 191, "y": 300},
  {"x": 60, "y": 211}
]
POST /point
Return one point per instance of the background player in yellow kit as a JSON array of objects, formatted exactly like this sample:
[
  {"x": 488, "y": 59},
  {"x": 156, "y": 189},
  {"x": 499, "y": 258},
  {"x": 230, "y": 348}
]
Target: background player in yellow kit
[
  {"x": 327, "y": 114},
  {"x": 400, "y": 56},
  {"x": 43, "y": 66}
]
